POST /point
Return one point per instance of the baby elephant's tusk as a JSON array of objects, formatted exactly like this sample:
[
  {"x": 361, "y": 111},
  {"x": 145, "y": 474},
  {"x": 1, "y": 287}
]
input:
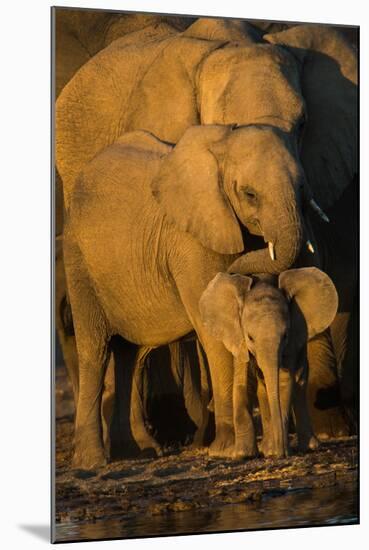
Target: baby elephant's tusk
[
  {"x": 271, "y": 250},
  {"x": 310, "y": 247},
  {"x": 318, "y": 210}
]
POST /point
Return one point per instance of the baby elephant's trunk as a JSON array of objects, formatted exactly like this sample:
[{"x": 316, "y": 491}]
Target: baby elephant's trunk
[{"x": 271, "y": 376}]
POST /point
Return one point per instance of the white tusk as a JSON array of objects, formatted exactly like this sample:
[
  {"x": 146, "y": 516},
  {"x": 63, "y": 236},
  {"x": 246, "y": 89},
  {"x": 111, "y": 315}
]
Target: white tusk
[
  {"x": 318, "y": 210},
  {"x": 271, "y": 250},
  {"x": 310, "y": 247}
]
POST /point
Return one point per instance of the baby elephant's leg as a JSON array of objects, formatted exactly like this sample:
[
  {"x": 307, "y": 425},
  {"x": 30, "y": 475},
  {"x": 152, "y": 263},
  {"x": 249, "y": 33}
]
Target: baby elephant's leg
[
  {"x": 245, "y": 439},
  {"x": 286, "y": 388},
  {"x": 285, "y": 395},
  {"x": 266, "y": 445}
]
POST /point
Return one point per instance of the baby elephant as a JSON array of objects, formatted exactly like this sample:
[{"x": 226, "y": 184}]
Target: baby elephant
[{"x": 267, "y": 321}]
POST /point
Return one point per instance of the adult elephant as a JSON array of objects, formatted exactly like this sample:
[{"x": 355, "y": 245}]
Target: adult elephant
[
  {"x": 163, "y": 81},
  {"x": 301, "y": 81},
  {"x": 138, "y": 268},
  {"x": 165, "y": 398},
  {"x": 79, "y": 35}
]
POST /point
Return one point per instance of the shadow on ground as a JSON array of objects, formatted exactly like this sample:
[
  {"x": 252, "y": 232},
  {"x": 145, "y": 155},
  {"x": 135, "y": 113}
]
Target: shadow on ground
[{"x": 40, "y": 531}]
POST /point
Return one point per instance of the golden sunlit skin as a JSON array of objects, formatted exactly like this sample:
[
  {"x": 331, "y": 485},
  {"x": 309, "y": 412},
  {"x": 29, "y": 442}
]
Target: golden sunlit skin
[
  {"x": 206, "y": 220},
  {"x": 221, "y": 72},
  {"x": 270, "y": 326},
  {"x": 151, "y": 230}
]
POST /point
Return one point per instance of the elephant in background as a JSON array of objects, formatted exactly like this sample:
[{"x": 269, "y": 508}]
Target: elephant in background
[
  {"x": 148, "y": 227},
  {"x": 338, "y": 249},
  {"x": 160, "y": 394},
  {"x": 163, "y": 395},
  {"x": 81, "y": 34},
  {"x": 216, "y": 72},
  {"x": 271, "y": 27},
  {"x": 266, "y": 325}
]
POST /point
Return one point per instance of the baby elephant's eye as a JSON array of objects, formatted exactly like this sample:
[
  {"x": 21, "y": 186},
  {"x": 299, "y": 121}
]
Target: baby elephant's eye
[{"x": 250, "y": 338}]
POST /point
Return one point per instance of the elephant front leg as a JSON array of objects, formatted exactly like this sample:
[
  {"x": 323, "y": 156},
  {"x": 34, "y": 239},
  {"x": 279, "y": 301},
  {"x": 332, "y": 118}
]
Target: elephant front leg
[
  {"x": 245, "y": 439},
  {"x": 305, "y": 435},
  {"x": 93, "y": 354},
  {"x": 323, "y": 394},
  {"x": 286, "y": 382},
  {"x": 88, "y": 443},
  {"x": 266, "y": 446},
  {"x": 286, "y": 388}
]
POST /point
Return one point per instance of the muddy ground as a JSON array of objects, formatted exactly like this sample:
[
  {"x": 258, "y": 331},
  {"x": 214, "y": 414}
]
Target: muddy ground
[{"x": 184, "y": 479}]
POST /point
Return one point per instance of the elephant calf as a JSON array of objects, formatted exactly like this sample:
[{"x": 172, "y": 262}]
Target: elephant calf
[{"x": 269, "y": 325}]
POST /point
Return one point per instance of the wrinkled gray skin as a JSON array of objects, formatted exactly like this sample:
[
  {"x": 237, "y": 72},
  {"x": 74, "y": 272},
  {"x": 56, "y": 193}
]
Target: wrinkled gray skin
[
  {"x": 148, "y": 227},
  {"x": 266, "y": 325},
  {"x": 302, "y": 81}
]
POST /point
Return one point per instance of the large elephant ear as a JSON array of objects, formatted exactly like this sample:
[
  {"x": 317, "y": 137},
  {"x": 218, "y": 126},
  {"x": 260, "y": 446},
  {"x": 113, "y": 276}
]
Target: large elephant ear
[
  {"x": 189, "y": 188},
  {"x": 221, "y": 306},
  {"x": 329, "y": 86},
  {"x": 313, "y": 295}
]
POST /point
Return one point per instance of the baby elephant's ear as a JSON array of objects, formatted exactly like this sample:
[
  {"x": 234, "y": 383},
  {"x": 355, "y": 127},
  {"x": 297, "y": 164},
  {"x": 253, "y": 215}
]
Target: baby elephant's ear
[
  {"x": 312, "y": 293},
  {"x": 221, "y": 306}
]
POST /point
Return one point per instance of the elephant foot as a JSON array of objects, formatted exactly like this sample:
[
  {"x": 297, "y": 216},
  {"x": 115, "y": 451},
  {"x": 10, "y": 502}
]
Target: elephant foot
[
  {"x": 88, "y": 459},
  {"x": 147, "y": 444},
  {"x": 198, "y": 440},
  {"x": 243, "y": 451},
  {"x": 266, "y": 447},
  {"x": 151, "y": 451},
  {"x": 328, "y": 424},
  {"x": 311, "y": 443},
  {"x": 195, "y": 445},
  {"x": 223, "y": 444}
]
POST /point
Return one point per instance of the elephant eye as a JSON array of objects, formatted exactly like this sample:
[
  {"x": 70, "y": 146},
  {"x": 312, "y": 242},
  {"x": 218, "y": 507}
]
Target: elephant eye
[
  {"x": 250, "y": 194},
  {"x": 250, "y": 338}
]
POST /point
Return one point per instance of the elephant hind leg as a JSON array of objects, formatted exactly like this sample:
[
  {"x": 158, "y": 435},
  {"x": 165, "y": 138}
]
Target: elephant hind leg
[
  {"x": 189, "y": 369},
  {"x": 204, "y": 399},
  {"x": 140, "y": 432},
  {"x": 64, "y": 323},
  {"x": 107, "y": 404},
  {"x": 93, "y": 354}
]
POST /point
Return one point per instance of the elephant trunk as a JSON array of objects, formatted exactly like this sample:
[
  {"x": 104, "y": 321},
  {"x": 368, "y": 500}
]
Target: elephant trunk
[
  {"x": 284, "y": 235},
  {"x": 271, "y": 376}
]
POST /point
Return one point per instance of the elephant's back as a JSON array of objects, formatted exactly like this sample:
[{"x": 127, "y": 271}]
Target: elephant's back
[
  {"x": 92, "y": 108},
  {"x": 123, "y": 238}
]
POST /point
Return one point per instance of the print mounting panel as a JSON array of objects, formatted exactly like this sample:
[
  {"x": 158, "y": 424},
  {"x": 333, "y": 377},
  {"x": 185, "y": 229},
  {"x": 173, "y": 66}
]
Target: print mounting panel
[{"x": 206, "y": 325}]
